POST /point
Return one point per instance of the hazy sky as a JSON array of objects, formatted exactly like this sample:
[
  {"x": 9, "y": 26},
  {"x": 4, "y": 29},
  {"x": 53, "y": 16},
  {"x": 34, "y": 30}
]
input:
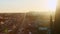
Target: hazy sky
[{"x": 27, "y": 5}]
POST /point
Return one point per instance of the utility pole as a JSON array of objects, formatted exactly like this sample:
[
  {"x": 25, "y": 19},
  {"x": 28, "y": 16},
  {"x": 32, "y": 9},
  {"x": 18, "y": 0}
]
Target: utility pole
[{"x": 51, "y": 24}]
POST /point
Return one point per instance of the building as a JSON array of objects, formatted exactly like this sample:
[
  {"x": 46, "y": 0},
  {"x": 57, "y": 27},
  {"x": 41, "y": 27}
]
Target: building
[{"x": 57, "y": 20}]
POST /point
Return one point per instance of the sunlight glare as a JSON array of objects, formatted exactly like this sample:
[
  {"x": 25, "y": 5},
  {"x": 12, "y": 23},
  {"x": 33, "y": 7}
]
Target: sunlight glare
[{"x": 52, "y": 5}]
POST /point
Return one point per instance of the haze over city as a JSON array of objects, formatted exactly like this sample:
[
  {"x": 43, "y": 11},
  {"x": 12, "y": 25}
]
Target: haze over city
[
  {"x": 29, "y": 16},
  {"x": 27, "y": 5}
]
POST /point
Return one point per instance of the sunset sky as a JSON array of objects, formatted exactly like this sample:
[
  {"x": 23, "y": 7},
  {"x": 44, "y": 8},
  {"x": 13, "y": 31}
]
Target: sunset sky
[{"x": 27, "y": 5}]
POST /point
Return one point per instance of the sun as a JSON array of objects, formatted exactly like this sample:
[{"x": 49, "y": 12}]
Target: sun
[
  {"x": 52, "y": 5},
  {"x": 45, "y": 5}
]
